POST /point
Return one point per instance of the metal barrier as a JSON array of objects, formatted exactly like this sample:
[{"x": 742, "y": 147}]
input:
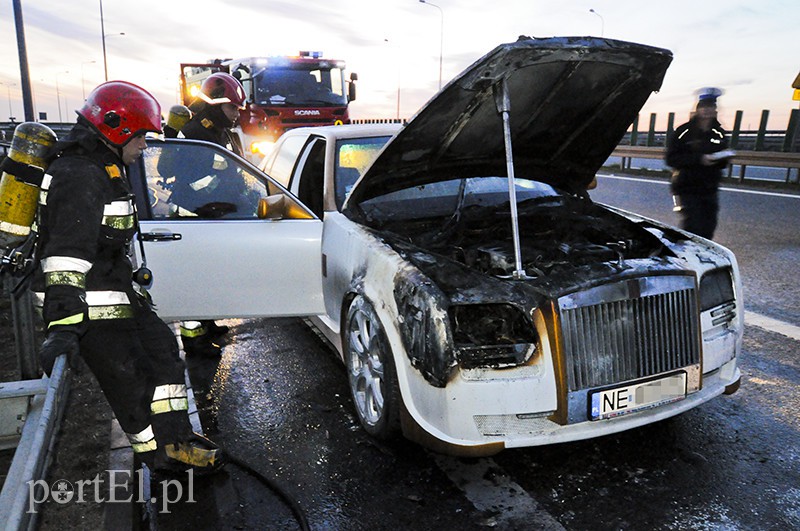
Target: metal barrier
[
  {"x": 743, "y": 159},
  {"x": 30, "y": 414},
  {"x": 379, "y": 121},
  {"x": 33, "y": 454}
]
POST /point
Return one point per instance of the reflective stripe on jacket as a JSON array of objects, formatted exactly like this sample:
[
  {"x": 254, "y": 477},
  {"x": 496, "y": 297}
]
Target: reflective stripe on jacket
[{"x": 86, "y": 223}]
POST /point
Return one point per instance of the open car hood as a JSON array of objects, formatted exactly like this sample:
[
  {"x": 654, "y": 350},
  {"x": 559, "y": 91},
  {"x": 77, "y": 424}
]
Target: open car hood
[{"x": 571, "y": 101}]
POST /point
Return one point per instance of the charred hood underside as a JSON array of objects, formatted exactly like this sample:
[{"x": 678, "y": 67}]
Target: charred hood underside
[{"x": 571, "y": 100}]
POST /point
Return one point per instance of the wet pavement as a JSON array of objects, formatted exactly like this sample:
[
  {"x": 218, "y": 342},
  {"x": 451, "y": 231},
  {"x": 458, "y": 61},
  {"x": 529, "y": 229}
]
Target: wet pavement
[
  {"x": 759, "y": 227},
  {"x": 278, "y": 400}
]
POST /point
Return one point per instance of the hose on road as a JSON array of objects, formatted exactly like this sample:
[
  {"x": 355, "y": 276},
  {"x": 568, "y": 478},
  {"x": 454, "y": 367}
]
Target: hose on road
[{"x": 273, "y": 485}]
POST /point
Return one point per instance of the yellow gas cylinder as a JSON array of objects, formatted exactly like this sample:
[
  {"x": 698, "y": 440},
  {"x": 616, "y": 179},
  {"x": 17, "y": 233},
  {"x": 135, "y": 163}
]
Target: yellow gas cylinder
[
  {"x": 178, "y": 116},
  {"x": 23, "y": 171}
]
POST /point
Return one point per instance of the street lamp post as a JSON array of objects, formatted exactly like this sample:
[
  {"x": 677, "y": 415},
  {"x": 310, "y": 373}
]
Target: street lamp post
[
  {"x": 441, "y": 36},
  {"x": 398, "y": 92},
  {"x": 602, "y": 22},
  {"x": 398, "y": 82},
  {"x": 8, "y": 89},
  {"x": 83, "y": 81},
  {"x": 105, "y": 59},
  {"x": 58, "y": 95},
  {"x": 103, "y": 35}
]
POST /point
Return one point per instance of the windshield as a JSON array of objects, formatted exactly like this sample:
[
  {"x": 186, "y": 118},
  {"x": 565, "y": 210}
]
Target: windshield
[
  {"x": 353, "y": 157},
  {"x": 300, "y": 85},
  {"x": 449, "y": 197}
]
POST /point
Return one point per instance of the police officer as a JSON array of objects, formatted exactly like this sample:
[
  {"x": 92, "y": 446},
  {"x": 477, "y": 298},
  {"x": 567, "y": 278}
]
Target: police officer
[
  {"x": 697, "y": 151},
  {"x": 90, "y": 304},
  {"x": 214, "y": 112}
]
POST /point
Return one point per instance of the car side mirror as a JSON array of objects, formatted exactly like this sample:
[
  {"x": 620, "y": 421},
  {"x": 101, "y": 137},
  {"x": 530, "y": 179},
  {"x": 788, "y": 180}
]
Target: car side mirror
[
  {"x": 271, "y": 207},
  {"x": 351, "y": 87},
  {"x": 278, "y": 206}
]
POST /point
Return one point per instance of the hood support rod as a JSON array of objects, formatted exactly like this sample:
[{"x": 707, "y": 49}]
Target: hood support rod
[{"x": 503, "y": 104}]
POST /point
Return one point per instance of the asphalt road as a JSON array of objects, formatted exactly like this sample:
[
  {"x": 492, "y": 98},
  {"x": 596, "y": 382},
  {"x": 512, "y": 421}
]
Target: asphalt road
[
  {"x": 761, "y": 227},
  {"x": 278, "y": 399}
]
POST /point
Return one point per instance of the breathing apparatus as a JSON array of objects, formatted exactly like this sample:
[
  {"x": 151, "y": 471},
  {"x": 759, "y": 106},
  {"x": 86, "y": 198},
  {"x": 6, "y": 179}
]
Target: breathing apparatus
[
  {"x": 22, "y": 174},
  {"x": 178, "y": 116}
]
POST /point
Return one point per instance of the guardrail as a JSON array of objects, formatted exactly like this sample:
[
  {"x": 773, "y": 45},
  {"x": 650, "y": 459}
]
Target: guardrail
[
  {"x": 33, "y": 453},
  {"x": 743, "y": 159},
  {"x": 30, "y": 414}
]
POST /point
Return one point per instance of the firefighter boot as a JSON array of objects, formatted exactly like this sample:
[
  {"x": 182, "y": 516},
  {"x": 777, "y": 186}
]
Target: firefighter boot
[
  {"x": 199, "y": 454},
  {"x": 215, "y": 330},
  {"x": 200, "y": 347}
]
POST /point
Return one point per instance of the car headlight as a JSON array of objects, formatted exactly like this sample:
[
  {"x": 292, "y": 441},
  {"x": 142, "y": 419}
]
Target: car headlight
[
  {"x": 716, "y": 294},
  {"x": 492, "y": 335},
  {"x": 262, "y": 147}
]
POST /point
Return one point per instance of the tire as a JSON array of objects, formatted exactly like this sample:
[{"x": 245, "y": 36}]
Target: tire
[{"x": 371, "y": 372}]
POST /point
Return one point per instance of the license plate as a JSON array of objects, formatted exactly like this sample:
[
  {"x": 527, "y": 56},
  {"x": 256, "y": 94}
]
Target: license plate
[{"x": 635, "y": 397}]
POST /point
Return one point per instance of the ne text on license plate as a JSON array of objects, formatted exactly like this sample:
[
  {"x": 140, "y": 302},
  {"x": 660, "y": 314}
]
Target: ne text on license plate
[{"x": 627, "y": 399}]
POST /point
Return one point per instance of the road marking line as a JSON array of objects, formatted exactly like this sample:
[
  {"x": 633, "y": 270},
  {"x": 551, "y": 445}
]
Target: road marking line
[
  {"x": 723, "y": 188},
  {"x": 773, "y": 325},
  {"x": 758, "y": 192},
  {"x": 489, "y": 489},
  {"x": 623, "y": 178}
]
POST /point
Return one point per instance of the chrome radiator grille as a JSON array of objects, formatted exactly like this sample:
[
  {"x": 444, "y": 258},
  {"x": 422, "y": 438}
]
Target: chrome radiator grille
[{"x": 629, "y": 330}]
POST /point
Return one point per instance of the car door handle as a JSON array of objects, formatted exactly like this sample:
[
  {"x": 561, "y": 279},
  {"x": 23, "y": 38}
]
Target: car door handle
[{"x": 160, "y": 236}]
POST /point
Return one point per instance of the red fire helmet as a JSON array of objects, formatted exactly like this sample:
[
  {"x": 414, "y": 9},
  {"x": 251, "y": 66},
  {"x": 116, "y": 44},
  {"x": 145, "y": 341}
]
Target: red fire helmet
[
  {"x": 120, "y": 111},
  {"x": 221, "y": 87}
]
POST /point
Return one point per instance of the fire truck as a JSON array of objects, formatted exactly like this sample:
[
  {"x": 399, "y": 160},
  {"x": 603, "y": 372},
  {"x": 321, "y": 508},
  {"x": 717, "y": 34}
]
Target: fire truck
[{"x": 282, "y": 92}]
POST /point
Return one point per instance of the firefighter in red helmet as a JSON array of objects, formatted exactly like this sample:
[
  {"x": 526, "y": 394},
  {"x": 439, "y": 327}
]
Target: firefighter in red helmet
[
  {"x": 89, "y": 302},
  {"x": 215, "y": 111}
]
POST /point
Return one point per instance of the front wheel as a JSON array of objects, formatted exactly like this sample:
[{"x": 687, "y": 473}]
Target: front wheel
[{"x": 371, "y": 372}]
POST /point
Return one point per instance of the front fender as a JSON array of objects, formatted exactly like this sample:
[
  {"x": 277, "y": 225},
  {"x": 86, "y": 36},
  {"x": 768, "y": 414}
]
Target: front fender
[{"x": 423, "y": 324}]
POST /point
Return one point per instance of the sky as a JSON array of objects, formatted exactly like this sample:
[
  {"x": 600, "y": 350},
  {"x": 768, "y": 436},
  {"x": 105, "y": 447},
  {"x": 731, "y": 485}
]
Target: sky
[{"x": 747, "y": 48}]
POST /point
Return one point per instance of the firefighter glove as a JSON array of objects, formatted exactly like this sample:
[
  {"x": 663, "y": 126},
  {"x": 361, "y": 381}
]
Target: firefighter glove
[
  {"x": 215, "y": 209},
  {"x": 57, "y": 343}
]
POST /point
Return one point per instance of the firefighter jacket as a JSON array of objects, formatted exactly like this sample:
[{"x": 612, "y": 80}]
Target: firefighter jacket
[
  {"x": 685, "y": 149},
  {"x": 203, "y": 128},
  {"x": 208, "y": 187},
  {"x": 86, "y": 223},
  {"x": 211, "y": 124}
]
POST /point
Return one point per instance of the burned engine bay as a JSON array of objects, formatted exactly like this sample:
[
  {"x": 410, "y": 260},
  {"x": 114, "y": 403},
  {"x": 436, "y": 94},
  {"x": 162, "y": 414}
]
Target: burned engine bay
[
  {"x": 557, "y": 234},
  {"x": 465, "y": 256}
]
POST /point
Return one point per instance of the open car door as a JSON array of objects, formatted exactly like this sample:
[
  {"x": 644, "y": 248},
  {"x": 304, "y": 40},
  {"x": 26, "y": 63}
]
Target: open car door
[{"x": 222, "y": 238}]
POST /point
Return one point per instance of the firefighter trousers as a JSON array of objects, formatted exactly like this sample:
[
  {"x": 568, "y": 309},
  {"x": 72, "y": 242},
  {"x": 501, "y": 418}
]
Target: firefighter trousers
[{"x": 136, "y": 362}]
